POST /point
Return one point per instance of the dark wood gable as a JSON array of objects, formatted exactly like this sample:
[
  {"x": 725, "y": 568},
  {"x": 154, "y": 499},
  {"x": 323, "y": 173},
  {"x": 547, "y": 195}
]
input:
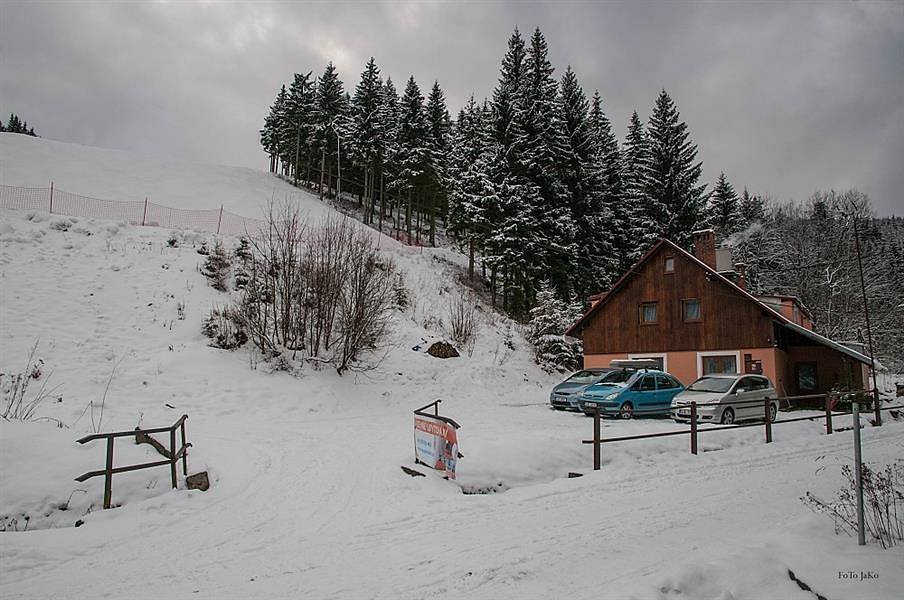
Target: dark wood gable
[{"x": 728, "y": 318}]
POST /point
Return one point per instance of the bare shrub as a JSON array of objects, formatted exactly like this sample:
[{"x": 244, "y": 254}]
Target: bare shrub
[
  {"x": 320, "y": 293},
  {"x": 365, "y": 302},
  {"x": 17, "y": 404},
  {"x": 463, "y": 318},
  {"x": 883, "y": 504}
]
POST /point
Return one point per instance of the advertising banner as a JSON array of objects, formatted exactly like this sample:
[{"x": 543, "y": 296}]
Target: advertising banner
[{"x": 435, "y": 444}]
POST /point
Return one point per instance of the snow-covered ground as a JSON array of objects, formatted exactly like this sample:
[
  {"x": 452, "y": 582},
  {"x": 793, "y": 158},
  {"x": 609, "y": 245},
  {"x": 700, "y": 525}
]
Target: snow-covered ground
[{"x": 307, "y": 497}]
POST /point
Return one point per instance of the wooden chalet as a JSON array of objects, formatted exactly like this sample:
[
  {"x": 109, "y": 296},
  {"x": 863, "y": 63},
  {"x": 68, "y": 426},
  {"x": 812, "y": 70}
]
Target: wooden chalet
[{"x": 693, "y": 314}]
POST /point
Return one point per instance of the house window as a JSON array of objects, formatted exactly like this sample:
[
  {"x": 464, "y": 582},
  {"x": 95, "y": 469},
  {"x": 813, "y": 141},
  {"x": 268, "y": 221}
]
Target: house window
[
  {"x": 648, "y": 312},
  {"x": 669, "y": 264},
  {"x": 691, "y": 308},
  {"x": 807, "y": 382},
  {"x": 720, "y": 364}
]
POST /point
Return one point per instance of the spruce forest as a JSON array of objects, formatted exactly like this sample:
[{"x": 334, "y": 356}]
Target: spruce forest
[
  {"x": 551, "y": 202},
  {"x": 17, "y": 125}
]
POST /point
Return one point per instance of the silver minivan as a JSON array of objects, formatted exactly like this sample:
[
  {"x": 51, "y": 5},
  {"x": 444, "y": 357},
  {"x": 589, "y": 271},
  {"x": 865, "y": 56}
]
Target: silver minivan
[{"x": 726, "y": 399}]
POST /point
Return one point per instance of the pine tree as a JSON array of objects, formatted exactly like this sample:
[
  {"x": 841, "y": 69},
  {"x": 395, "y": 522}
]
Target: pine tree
[
  {"x": 389, "y": 137},
  {"x": 674, "y": 174},
  {"x": 471, "y": 190},
  {"x": 724, "y": 209},
  {"x": 413, "y": 153},
  {"x": 640, "y": 209},
  {"x": 541, "y": 153},
  {"x": 296, "y": 130},
  {"x": 331, "y": 105},
  {"x": 549, "y": 319},
  {"x": 594, "y": 259},
  {"x": 752, "y": 208},
  {"x": 366, "y": 131},
  {"x": 438, "y": 143},
  {"x": 611, "y": 213}
]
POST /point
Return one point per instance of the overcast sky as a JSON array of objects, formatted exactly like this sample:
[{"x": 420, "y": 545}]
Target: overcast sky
[{"x": 785, "y": 98}]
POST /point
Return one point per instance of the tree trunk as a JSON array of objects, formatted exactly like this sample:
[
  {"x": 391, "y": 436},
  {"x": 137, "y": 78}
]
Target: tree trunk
[
  {"x": 471, "y": 260},
  {"x": 382, "y": 202},
  {"x": 433, "y": 223},
  {"x": 408, "y": 218},
  {"x": 322, "y": 163}
]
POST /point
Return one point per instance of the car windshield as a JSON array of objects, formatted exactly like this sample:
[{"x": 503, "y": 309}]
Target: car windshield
[
  {"x": 711, "y": 384},
  {"x": 620, "y": 376},
  {"x": 585, "y": 377}
]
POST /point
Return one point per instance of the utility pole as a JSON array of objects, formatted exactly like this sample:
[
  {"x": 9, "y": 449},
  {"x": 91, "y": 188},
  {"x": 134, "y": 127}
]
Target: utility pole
[
  {"x": 869, "y": 333},
  {"x": 339, "y": 165},
  {"x": 858, "y": 475}
]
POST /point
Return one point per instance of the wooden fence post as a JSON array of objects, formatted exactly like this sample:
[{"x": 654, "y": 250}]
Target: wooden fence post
[
  {"x": 693, "y": 427},
  {"x": 172, "y": 437},
  {"x": 828, "y": 414},
  {"x": 184, "y": 453},
  {"x": 220, "y": 219},
  {"x": 51, "y": 197},
  {"x": 768, "y": 404},
  {"x": 596, "y": 438},
  {"x": 144, "y": 215},
  {"x": 108, "y": 476}
]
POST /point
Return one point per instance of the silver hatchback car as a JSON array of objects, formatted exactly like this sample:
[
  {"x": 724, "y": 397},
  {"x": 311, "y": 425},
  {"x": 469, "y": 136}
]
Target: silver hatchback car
[{"x": 726, "y": 399}]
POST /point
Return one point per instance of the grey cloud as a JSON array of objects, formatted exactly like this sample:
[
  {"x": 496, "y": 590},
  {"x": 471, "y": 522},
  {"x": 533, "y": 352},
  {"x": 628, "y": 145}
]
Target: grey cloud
[{"x": 785, "y": 98}]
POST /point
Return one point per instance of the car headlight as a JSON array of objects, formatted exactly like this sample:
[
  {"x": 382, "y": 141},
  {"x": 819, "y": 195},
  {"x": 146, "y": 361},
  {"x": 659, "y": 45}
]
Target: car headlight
[{"x": 611, "y": 396}]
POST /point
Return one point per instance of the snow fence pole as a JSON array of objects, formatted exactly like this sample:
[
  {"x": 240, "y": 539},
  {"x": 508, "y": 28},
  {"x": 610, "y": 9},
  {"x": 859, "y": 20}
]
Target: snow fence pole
[
  {"x": 828, "y": 414},
  {"x": 596, "y": 438},
  {"x": 858, "y": 479},
  {"x": 51, "y": 197},
  {"x": 768, "y": 405},
  {"x": 220, "y": 219},
  {"x": 144, "y": 215}
]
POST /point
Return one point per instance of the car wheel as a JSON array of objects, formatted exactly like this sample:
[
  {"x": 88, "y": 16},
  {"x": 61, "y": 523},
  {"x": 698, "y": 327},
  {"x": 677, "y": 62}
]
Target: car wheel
[
  {"x": 727, "y": 416},
  {"x": 626, "y": 411},
  {"x": 773, "y": 412}
]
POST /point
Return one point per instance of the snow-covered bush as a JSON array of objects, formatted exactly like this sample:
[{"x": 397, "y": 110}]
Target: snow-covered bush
[
  {"x": 549, "y": 320},
  {"x": 217, "y": 266},
  {"x": 883, "y": 504},
  {"x": 402, "y": 296},
  {"x": 242, "y": 256},
  {"x": 225, "y": 329}
]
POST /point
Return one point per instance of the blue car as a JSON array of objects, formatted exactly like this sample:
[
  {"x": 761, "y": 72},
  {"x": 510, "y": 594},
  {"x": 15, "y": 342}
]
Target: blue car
[
  {"x": 565, "y": 396},
  {"x": 646, "y": 392}
]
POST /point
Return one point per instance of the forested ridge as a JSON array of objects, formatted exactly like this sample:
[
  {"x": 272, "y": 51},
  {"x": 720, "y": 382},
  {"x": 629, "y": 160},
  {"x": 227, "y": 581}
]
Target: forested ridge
[{"x": 551, "y": 203}]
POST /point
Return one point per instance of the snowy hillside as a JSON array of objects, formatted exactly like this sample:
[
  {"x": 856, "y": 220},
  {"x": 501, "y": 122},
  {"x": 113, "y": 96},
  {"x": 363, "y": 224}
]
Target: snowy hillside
[
  {"x": 121, "y": 175},
  {"x": 307, "y": 496}
]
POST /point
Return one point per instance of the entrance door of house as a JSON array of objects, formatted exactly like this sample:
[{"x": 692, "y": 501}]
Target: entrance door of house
[{"x": 805, "y": 375}]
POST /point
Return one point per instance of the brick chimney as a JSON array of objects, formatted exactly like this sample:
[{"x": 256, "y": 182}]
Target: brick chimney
[
  {"x": 741, "y": 270},
  {"x": 705, "y": 247}
]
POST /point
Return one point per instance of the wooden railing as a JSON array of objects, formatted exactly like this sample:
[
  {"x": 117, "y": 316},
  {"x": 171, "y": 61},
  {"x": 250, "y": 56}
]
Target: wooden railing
[
  {"x": 141, "y": 435},
  {"x": 694, "y": 431}
]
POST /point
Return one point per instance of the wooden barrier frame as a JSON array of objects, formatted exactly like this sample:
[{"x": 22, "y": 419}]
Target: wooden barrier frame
[
  {"x": 110, "y": 470},
  {"x": 694, "y": 431}
]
